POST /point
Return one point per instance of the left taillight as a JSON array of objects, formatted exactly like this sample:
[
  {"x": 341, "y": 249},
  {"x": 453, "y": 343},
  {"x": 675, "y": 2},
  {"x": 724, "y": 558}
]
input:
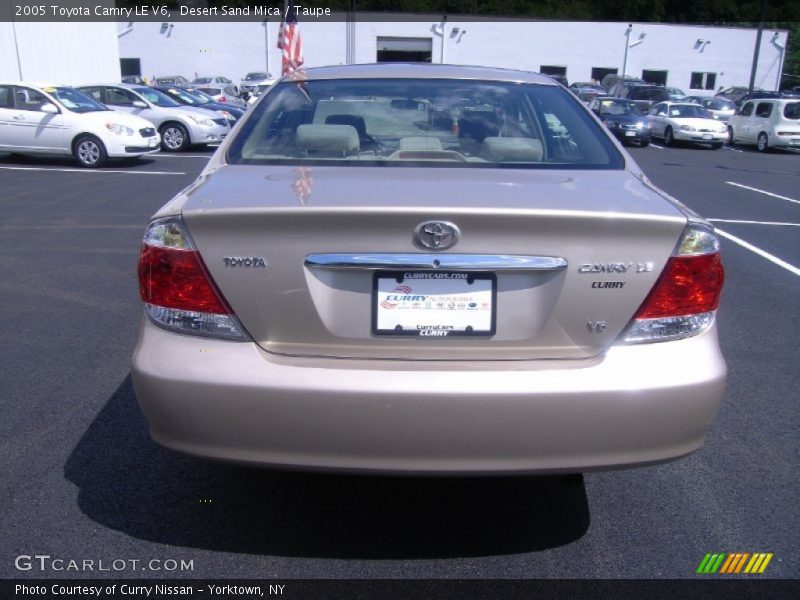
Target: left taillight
[
  {"x": 684, "y": 300},
  {"x": 177, "y": 290}
]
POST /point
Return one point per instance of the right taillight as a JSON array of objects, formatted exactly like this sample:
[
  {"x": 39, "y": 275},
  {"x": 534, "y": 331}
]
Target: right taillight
[
  {"x": 176, "y": 288},
  {"x": 684, "y": 299}
]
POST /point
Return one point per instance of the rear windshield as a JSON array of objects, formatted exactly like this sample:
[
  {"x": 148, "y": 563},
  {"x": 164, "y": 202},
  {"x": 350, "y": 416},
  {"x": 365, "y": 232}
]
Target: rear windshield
[
  {"x": 656, "y": 94},
  {"x": 619, "y": 107},
  {"x": 792, "y": 110},
  {"x": 405, "y": 122},
  {"x": 720, "y": 104}
]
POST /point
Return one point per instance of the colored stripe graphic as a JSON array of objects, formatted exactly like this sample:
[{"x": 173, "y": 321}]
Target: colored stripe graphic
[
  {"x": 733, "y": 562},
  {"x": 711, "y": 563}
]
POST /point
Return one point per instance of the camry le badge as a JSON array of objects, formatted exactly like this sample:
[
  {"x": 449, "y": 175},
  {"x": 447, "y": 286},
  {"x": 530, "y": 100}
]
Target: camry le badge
[{"x": 437, "y": 235}]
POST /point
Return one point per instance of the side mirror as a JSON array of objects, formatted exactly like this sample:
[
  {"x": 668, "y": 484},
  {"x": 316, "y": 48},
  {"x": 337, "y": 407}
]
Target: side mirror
[
  {"x": 50, "y": 108},
  {"x": 139, "y": 104}
]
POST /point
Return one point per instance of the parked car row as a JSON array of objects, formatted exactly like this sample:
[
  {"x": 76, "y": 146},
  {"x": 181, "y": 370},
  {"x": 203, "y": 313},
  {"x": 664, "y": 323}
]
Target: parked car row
[
  {"x": 63, "y": 121},
  {"x": 636, "y": 112},
  {"x": 96, "y": 122},
  {"x": 217, "y": 86}
]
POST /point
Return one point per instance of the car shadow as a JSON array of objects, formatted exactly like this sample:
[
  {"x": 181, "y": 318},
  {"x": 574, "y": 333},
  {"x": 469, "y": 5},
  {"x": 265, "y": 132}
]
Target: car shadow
[
  {"x": 128, "y": 483},
  {"x": 69, "y": 162}
]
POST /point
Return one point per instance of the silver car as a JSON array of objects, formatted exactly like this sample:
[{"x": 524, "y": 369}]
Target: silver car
[
  {"x": 721, "y": 109},
  {"x": 225, "y": 94},
  {"x": 252, "y": 80},
  {"x": 180, "y": 126},
  {"x": 427, "y": 269}
]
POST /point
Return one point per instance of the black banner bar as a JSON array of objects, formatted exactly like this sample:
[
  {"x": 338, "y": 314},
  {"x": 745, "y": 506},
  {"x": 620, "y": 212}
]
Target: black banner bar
[{"x": 325, "y": 589}]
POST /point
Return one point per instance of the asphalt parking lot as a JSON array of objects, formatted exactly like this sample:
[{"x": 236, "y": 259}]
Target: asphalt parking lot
[{"x": 82, "y": 480}]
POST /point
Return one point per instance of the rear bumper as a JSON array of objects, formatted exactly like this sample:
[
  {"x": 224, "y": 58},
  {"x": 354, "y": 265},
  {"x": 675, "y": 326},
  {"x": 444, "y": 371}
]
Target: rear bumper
[
  {"x": 784, "y": 141},
  {"x": 232, "y": 401}
]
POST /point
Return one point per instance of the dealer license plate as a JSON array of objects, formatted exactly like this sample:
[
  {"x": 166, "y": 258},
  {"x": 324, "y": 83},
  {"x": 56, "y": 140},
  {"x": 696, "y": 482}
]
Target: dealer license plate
[
  {"x": 630, "y": 133},
  {"x": 707, "y": 136},
  {"x": 434, "y": 304}
]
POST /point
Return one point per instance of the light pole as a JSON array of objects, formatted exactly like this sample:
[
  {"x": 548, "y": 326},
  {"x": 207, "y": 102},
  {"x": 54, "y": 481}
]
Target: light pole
[
  {"x": 629, "y": 44},
  {"x": 781, "y": 49}
]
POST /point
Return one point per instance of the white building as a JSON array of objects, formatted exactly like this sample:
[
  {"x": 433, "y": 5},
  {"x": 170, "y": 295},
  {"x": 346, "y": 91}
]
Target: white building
[
  {"x": 70, "y": 53},
  {"x": 685, "y": 56}
]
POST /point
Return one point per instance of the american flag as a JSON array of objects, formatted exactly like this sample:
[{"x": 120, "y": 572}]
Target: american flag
[
  {"x": 303, "y": 184},
  {"x": 289, "y": 41}
]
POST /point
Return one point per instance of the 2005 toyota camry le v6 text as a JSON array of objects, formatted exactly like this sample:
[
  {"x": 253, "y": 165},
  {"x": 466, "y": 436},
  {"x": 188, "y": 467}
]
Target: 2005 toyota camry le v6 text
[{"x": 427, "y": 269}]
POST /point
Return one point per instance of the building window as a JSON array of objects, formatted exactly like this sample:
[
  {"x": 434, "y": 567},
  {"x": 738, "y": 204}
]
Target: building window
[
  {"x": 130, "y": 66},
  {"x": 703, "y": 81},
  {"x": 599, "y": 72},
  {"x": 551, "y": 70},
  {"x": 397, "y": 49},
  {"x": 655, "y": 77}
]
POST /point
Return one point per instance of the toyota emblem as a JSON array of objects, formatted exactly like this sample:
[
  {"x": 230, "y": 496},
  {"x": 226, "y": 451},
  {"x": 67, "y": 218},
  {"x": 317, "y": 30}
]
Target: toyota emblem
[{"x": 437, "y": 235}]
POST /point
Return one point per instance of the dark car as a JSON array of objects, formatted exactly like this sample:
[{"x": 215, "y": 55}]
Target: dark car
[
  {"x": 764, "y": 94},
  {"x": 612, "y": 79},
  {"x": 644, "y": 95},
  {"x": 735, "y": 93},
  {"x": 190, "y": 97},
  {"x": 624, "y": 119},
  {"x": 562, "y": 79}
]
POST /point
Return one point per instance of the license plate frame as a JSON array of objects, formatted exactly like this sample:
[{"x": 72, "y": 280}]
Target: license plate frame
[{"x": 426, "y": 282}]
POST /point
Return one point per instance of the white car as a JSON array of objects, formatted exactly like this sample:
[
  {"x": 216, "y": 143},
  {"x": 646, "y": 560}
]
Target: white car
[
  {"x": 253, "y": 79},
  {"x": 260, "y": 89},
  {"x": 40, "y": 119},
  {"x": 685, "y": 122},
  {"x": 769, "y": 123}
]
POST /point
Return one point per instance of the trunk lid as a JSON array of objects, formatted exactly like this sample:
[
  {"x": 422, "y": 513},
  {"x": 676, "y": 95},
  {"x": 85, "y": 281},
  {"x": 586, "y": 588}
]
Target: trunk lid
[{"x": 613, "y": 233}]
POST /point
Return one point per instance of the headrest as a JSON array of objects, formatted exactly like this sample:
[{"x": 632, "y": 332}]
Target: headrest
[
  {"x": 420, "y": 142},
  {"x": 341, "y": 140},
  {"x": 512, "y": 149},
  {"x": 354, "y": 120}
]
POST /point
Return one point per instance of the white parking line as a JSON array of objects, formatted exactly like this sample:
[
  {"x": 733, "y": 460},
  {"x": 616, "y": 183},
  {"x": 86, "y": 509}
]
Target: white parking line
[
  {"x": 93, "y": 171},
  {"x": 181, "y": 155},
  {"x": 770, "y": 257},
  {"x": 747, "y": 187},
  {"x": 733, "y": 149},
  {"x": 755, "y": 222},
  {"x": 652, "y": 145}
]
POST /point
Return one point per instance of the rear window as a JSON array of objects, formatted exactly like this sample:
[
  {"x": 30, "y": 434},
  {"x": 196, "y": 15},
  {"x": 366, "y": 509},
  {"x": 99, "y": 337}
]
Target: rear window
[
  {"x": 718, "y": 104},
  {"x": 619, "y": 107},
  {"x": 792, "y": 111},
  {"x": 655, "y": 94},
  {"x": 405, "y": 122}
]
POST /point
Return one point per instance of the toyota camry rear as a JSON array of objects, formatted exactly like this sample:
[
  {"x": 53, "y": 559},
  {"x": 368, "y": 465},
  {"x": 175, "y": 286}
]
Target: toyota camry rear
[{"x": 427, "y": 269}]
